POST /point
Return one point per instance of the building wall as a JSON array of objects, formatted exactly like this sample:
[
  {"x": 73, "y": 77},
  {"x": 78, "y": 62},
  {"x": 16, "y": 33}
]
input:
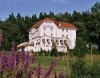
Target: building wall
[
  {"x": 48, "y": 28},
  {"x": 48, "y": 31}
]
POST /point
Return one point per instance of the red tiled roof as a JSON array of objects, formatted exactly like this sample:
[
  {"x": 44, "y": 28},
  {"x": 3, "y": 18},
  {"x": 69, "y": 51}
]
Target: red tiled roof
[
  {"x": 59, "y": 24},
  {"x": 66, "y": 25}
]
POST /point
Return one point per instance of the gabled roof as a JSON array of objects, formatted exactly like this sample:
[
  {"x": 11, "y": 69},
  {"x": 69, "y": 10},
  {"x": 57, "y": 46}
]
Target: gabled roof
[
  {"x": 66, "y": 25},
  {"x": 58, "y": 23}
]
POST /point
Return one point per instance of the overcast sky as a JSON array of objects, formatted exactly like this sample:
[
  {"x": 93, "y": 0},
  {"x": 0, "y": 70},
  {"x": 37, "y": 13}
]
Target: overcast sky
[{"x": 29, "y": 7}]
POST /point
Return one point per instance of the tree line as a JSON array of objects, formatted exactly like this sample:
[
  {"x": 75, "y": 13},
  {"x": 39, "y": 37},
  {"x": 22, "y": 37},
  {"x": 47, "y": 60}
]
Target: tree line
[{"x": 15, "y": 28}]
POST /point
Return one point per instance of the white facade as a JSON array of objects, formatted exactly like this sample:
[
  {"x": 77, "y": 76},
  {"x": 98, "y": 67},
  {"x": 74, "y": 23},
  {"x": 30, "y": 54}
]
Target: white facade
[{"x": 47, "y": 33}]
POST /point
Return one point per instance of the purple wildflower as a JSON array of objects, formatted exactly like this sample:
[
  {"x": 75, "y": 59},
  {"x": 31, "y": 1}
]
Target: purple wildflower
[
  {"x": 26, "y": 62},
  {"x": 17, "y": 58},
  {"x": 30, "y": 74},
  {"x": 38, "y": 71},
  {"x": 52, "y": 65},
  {"x": 4, "y": 60},
  {"x": 23, "y": 57},
  {"x": 1, "y": 73},
  {"x": 11, "y": 61},
  {"x": 60, "y": 75},
  {"x": 27, "y": 54},
  {"x": 33, "y": 58},
  {"x": 1, "y": 39}
]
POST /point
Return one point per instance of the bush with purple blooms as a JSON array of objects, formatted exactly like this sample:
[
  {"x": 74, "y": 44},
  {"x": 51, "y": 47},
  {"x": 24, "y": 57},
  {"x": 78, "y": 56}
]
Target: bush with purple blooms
[{"x": 19, "y": 65}]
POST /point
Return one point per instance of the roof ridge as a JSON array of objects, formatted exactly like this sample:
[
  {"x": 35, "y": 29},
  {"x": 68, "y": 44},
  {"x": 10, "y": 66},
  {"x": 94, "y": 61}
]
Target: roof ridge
[{"x": 58, "y": 23}]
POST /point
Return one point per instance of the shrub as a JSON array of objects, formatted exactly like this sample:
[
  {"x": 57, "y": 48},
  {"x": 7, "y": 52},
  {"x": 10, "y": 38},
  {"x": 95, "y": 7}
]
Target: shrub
[
  {"x": 61, "y": 54},
  {"x": 78, "y": 69},
  {"x": 82, "y": 69},
  {"x": 80, "y": 48},
  {"x": 54, "y": 52}
]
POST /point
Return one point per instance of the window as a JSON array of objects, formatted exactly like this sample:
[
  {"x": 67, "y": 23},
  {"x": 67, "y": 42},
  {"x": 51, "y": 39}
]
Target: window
[
  {"x": 47, "y": 40},
  {"x": 66, "y": 30},
  {"x": 65, "y": 41},
  {"x": 43, "y": 39},
  {"x": 51, "y": 29},
  {"x": 67, "y": 36},
  {"x": 44, "y": 28},
  {"x": 62, "y": 35},
  {"x": 44, "y": 34},
  {"x": 61, "y": 41},
  {"x": 63, "y": 30},
  {"x": 56, "y": 41},
  {"x": 52, "y": 40},
  {"x": 51, "y": 35}
]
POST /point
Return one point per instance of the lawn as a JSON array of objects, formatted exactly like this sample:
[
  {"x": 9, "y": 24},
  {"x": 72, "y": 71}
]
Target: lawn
[{"x": 45, "y": 61}]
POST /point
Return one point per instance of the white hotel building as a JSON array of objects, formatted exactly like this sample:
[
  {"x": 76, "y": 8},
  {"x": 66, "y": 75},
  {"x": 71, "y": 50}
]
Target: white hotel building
[{"x": 47, "y": 31}]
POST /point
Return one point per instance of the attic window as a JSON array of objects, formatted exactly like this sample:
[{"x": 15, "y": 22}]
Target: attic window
[{"x": 46, "y": 21}]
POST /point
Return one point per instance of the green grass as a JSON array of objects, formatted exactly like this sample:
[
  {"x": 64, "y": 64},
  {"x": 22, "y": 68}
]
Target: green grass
[
  {"x": 61, "y": 64},
  {"x": 46, "y": 60}
]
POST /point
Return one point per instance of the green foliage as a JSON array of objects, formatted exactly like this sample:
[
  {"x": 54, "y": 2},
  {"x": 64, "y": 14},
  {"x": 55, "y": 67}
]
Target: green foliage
[
  {"x": 43, "y": 53},
  {"x": 80, "y": 69},
  {"x": 53, "y": 52},
  {"x": 61, "y": 54},
  {"x": 80, "y": 48},
  {"x": 95, "y": 70},
  {"x": 81, "y": 30}
]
